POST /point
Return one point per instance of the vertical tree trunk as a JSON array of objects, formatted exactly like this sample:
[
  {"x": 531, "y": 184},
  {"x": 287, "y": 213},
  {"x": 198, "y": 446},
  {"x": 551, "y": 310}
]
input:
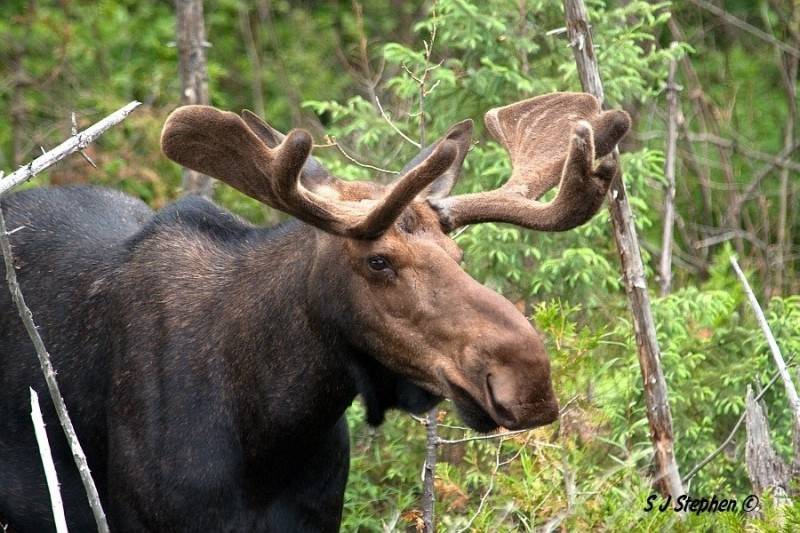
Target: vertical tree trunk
[
  {"x": 668, "y": 479},
  {"x": 665, "y": 268},
  {"x": 194, "y": 76}
]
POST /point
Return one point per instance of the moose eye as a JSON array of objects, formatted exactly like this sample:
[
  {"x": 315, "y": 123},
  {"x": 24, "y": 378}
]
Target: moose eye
[{"x": 378, "y": 263}]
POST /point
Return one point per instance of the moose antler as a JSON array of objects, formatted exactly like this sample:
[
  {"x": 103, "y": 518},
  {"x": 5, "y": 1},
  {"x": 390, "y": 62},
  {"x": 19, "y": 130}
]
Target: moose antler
[
  {"x": 551, "y": 139},
  {"x": 221, "y": 144}
]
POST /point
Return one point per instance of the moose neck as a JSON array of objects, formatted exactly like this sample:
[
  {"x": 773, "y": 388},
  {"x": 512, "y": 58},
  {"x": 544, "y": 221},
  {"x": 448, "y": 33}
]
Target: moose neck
[
  {"x": 291, "y": 352},
  {"x": 294, "y": 374}
]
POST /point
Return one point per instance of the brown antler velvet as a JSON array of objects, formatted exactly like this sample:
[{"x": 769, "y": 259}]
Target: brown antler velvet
[
  {"x": 551, "y": 139},
  {"x": 222, "y": 145}
]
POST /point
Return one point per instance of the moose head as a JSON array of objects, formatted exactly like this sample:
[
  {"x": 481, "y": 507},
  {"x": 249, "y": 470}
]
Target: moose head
[{"x": 383, "y": 252}]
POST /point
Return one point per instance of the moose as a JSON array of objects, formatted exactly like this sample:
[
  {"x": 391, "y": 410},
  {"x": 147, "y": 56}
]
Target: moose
[{"x": 207, "y": 363}]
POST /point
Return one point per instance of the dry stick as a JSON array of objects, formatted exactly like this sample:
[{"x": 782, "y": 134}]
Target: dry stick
[
  {"x": 47, "y": 462},
  {"x": 739, "y": 23},
  {"x": 791, "y": 391},
  {"x": 50, "y": 378},
  {"x": 788, "y": 66},
  {"x": 665, "y": 267},
  {"x": 488, "y": 489},
  {"x": 762, "y": 173},
  {"x": 746, "y": 151},
  {"x": 429, "y": 473},
  {"x": 710, "y": 457},
  {"x": 431, "y": 444},
  {"x": 192, "y": 43},
  {"x": 73, "y": 144},
  {"x": 658, "y": 411}
]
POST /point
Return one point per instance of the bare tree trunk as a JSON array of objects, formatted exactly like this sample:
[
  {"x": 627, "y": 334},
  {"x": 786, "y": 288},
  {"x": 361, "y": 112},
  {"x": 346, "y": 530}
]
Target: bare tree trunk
[
  {"x": 665, "y": 268},
  {"x": 194, "y": 77},
  {"x": 668, "y": 480}
]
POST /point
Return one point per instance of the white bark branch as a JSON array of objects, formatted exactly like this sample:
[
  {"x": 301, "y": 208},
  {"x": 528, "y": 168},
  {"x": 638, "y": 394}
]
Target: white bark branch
[
  {"x": 47, "y": 462},
  {"x": 780, "y": 363},
  {"x": 70, "y": 146}
]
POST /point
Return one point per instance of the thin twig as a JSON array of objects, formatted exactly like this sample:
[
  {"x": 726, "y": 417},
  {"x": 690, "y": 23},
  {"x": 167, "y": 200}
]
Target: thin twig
[
  {"x": 736, "y": 146},
  {"x": 393, "y": 125},
  {"x": 74, "y": 132},
  {"x": 47, "y": 462},
  {"x": 693, "y": 472},
  {"x": 70, "y": 146},
  {"x": 486, "y": 494},
  {"x": 338, "y": 146},
  {"x": 759, "y": 176},
  {"x": 746, "y": 26},
  {"x": 665, "y": 265},
  {"x": 50, "y": 378},
  {"x": 496, "y": 436},
  {"x": 564, "y": 409}
]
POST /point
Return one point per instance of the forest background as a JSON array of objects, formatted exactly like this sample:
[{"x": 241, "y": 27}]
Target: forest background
[{"x": 346, "y": 71}]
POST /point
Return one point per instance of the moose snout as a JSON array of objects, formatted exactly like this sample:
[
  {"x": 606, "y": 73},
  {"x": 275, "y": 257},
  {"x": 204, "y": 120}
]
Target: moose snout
[
  {"x": 518, "y": 389},
  {"x": 516, "y": 403}
]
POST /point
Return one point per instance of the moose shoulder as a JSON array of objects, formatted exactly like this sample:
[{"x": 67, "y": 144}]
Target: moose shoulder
[{"x": 207, "y": 364}]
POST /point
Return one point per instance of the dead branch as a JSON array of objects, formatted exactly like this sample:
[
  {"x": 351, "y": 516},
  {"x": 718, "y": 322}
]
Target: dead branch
[
  {"x": 334, "y": 143},
  {"x": 50, "y": 379},
  {"x": 746, "y": 26},
  {"x": 742, "y": 149},
  {"x": 656, "y": 397},
  {"x": 47, "y": 462},
  {"x": 489, "y": 489},
  {"x": 780, "y": 363},
  {"x": 735, "y": 209},
  {"x": 665, "y": 266},
  {"x": 73, "y": 144}
]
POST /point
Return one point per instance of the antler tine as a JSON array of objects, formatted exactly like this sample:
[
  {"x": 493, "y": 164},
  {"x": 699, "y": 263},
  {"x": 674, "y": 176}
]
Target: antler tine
[
  {"x": 283, "y": 176},
  {"x": 550, "y": 139}
]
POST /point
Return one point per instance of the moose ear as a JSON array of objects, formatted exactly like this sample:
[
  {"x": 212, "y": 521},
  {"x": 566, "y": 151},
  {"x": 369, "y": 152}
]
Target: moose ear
[
  {"x": 313, "y": 173},
  {"x": 461, "y": 135}
]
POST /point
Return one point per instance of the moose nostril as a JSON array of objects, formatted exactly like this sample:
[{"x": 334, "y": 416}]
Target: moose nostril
[{"x": 498, "y": 398}]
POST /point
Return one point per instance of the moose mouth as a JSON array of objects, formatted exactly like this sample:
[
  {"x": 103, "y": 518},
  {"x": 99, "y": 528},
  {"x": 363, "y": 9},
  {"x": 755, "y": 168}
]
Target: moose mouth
[
  {"x": 470, "y": 411},
  {"x": 489, "y": 415}
]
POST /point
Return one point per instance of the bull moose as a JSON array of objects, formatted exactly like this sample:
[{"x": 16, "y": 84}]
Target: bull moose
[{"x": 207, "y": 364}]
